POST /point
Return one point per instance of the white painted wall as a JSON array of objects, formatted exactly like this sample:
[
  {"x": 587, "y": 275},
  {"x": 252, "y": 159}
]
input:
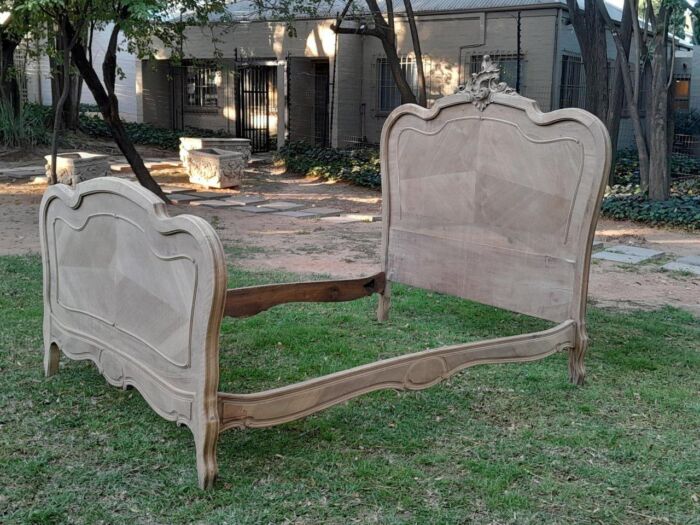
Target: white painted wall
[{"x": 39, "y": 77}]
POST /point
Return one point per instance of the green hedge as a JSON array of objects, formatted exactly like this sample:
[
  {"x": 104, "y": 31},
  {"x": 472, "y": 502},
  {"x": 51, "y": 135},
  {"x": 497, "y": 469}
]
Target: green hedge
[
  {"x": 681, "y": 211},
  {"x": 359, "y": 166},
  {"x": 145, "y": 134}
]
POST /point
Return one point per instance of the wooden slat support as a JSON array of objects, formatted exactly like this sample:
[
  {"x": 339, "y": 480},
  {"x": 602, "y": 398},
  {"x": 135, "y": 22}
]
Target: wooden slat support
[
  {"x": 409, "y": 372},
  {"x": 244, "y": 302}
]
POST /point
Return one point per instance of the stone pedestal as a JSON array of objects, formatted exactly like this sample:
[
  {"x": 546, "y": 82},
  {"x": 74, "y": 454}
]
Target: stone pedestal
[
  {"x": 216, "y": 168},
  {"x": 188, "y": 144},
  {"x": 78, "y": 166}
]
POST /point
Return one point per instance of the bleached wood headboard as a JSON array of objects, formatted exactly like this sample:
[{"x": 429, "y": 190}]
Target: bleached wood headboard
[{"x": 487, "y": 198}]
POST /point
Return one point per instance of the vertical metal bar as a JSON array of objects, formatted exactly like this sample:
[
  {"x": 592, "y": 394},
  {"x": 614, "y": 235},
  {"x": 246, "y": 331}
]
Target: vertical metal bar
[{"x": 517, "y": 58}]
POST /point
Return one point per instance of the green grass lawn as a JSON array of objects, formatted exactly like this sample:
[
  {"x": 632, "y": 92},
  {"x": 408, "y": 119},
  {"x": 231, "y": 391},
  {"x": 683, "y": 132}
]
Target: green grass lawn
[{"x": 495, "y": 444}]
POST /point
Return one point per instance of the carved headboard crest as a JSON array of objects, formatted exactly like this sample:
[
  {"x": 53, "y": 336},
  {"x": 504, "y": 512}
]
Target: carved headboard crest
[{"x": 484, "y": 83}]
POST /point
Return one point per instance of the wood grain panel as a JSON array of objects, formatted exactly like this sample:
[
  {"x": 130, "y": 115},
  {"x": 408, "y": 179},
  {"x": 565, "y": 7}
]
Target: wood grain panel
[{"x": 495, "y": 205}]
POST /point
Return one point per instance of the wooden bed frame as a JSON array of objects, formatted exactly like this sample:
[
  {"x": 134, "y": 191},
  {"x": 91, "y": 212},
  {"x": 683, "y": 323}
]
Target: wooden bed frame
[{"x": 484, "y": 197}]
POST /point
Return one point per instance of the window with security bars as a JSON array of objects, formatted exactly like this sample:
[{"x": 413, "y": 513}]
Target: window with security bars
[
  {"x": 572, "y": 90},
  {"x": 681, "y": 92},
  {"x": 388, "y": 95},
  {"x": 508, "y": 62},
  {"x": 201, "y": 87}
]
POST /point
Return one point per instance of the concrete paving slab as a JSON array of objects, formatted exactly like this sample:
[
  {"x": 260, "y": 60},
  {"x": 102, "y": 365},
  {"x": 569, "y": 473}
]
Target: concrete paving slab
[
  {"x": 256, "y": 209},
  {"x": 323, "y": 212},
  {"x": 598, "y": 244},
  {"x": 23, "y": 172},
  {"x": 680, "y": 267},
  {"x": 215, "y": 203},
  {"x": 342, "y": 219},
  {"x": 182, "y": 198},
  {"x": 156, "y": 165},
  {"x": 364, "y": 217},
  {"x": 171, "y": 190},
  {"x": 690, "y": 263},
  {"x": 284, "y": 205},
  {"x": 245, "y": 200},
  {"x": 152, "y": 165},
  {"x": 120, "y": 167},
  {"x": 624, "y": 253},
  {"x": 693, "y": 260},
  {"x": 298, "y": 214},
  {"x": 208, "y": 194}
]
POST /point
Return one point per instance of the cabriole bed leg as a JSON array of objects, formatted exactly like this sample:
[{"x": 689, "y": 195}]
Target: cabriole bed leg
[
  {"x": 205, "y": 440},
  {"x": 577, "y": 353},
  {"x": 51, "y": 356},
  {"x": 384, "y": 303}
]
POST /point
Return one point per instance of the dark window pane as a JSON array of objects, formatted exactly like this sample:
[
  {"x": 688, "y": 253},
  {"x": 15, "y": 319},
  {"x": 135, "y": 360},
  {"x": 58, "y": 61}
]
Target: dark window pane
[{"x": 388, "y": 95}]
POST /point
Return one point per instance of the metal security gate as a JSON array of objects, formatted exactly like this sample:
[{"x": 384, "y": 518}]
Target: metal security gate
[
  {"x": 321, "y": 103},
  {"x": 253, "y": 101}
]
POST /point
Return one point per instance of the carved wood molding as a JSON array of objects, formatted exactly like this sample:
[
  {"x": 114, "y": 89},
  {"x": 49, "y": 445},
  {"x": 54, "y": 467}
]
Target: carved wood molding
[
  {"x": 482, "y": 85},
  {"x": 410, "y": 372}
]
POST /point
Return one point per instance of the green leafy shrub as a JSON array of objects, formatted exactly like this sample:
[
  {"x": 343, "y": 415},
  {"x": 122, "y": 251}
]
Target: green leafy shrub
[
  {"x": 30, "y": 127},
  {"x": 629, "y": 203},
  {"x": 681, "y": 211},
  {"x": 359, "y": 166},
  {"x": 145, "y": 134}
]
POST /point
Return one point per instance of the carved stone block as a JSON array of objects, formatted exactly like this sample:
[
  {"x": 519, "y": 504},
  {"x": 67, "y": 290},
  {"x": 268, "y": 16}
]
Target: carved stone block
[
  {"x": 188, "y": 144},
  {"x": 216, "y": 168},
  {"x": 78, "y": 166}
]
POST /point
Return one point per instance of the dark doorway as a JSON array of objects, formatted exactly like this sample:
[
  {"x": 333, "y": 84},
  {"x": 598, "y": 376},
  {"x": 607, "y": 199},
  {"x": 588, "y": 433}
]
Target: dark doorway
[
  {"x": 255, "y": 96},
  {"x": 321, "y": 103}
]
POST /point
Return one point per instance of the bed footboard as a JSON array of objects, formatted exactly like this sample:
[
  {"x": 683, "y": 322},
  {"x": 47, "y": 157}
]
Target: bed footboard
[{"x": 141, "y": 295}]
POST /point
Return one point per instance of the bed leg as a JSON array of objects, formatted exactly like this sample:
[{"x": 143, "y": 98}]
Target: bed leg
[
  {"x": 205, "y": 447},
  {"x": 384, "y": 303},
  {"x": 51, "y": 356},
  {"x": 577, "y": 367}
]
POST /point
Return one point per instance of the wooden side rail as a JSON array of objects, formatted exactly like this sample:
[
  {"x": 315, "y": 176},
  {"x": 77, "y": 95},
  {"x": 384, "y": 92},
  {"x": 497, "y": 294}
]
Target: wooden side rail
[
  {"x": 410, "y": 372},
  {"x": 251, "y": 300}
]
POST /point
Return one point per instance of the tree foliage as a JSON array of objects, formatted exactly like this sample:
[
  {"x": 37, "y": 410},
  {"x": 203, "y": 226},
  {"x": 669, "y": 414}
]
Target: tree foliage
[{"x": 141, "y": 27}]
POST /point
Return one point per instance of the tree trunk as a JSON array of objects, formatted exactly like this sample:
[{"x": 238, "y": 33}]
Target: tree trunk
[
  {"x": 659, "y": 177},
  {"x": 589, "y": 27},
  {"x": 71, "y": 112},
  {"x": 71, "y": 105},
  {"x": 422, "y": 95},
  {"x": 384, "y": 31},
  {"x": 595, "y": 63},
  {"x": 631, "y": 97},
  {"x": 617, "y": 91},
  {"x": 386, "y": 35},
  {"x": 9, "y": 89},
  {"x": 92, "y": 81},
  {"x": 58, "y": 114}
]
